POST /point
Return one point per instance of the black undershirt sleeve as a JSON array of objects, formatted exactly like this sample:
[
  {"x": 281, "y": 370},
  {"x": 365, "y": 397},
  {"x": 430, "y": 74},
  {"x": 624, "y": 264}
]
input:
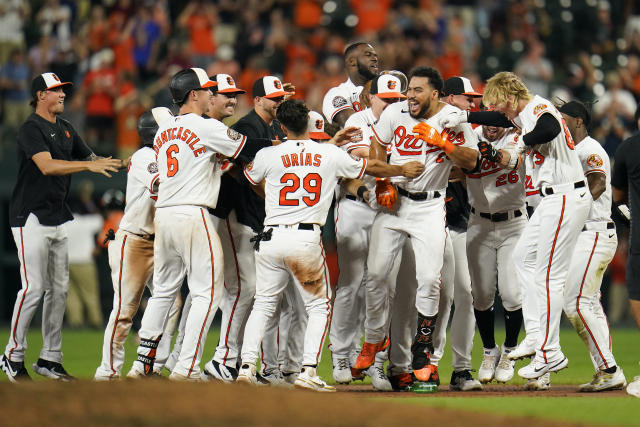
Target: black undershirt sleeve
[
  {"x": 547, "y": 127},
  {"x": 489, "y": 118}
]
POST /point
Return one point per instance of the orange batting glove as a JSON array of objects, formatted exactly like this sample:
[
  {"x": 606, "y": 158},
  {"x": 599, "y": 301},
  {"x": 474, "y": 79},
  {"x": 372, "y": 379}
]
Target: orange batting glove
[
  {"x": 386, "y": 194},
  {"x": 431, "y": 136}
]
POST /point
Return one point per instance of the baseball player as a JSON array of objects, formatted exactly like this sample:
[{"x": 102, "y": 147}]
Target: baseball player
[
  {"x": 419, "y": 213},
  {"x": 340, "y": 102},
  {"x": 457, "y": 91},
  {"x": 131, "y": 253},
  {"x": 187, "y": 148},
  {"x": 299, "y": 179},
  {"x": 316, "y": 127},
  {"x": 594, "y": 251},
  {"x": 49, "y": 150},
  {"x": 552, "y": 232},
  {"x": 353, "y": 223},
  {"x": 498, "y": 217}
]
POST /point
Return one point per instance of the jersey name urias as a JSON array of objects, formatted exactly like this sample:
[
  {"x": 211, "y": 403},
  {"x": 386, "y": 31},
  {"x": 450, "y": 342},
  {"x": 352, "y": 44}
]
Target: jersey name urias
[
  {"x": 301, "y": 176},
  {"x": 395, "y": 127},
  {"x": 188, "y": 166}
]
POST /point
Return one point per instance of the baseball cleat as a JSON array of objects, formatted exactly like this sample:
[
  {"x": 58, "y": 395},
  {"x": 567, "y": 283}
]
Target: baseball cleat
[
  {"x": 536, "y": 369},
  {"x": 274, "y": 377},
  {"x": 603, "y": 381},
  {"x": 179, "y": 377},
  {"x": 247, "y": 375},
  {"x": 505, "y": 369},
  {"x": 464, "y": 381},
  {"x": 490, "y": 360},
  {"x": 137, "y": 371},
  {"x": 220, "y": 372},
  {"x": 367, "y": 355},
  {"x": 427, "y": 374},
  {"x": 401, "y": 382},
  {"x": 379, "y": 379},
  {"x": 634, "y": 387},
  {"x": 15, "y": 371},
  {"x": 357, "y": 374},
  {"x": 309, "y": 380},
  {"x": 539, "y": 384},
  {"x": 53, "y": 370},
  {"x": 525, "y": 349},
  {"x": 342, "y": 371},
  {"x": 290, "y": 377}
]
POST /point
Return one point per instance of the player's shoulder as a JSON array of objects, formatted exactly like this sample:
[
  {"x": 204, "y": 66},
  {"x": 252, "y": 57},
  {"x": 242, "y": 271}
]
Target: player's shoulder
[
  {"x": 592, "y": 151},
  {"x": 538, "y": 106},
  {"x": 143, "y": 154},
  {"x": 360, "y": 118},
  {"x": 397, "y": 109}
]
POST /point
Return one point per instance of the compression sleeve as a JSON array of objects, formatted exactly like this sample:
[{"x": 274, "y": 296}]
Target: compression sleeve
[
  {"x": 547, "y": 127},
  {"x": 489, "y": 118}
]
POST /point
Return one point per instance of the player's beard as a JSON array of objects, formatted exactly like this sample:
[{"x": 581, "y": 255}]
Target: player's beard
[
  {"x": 423, "y": 110},
  {"x": 365, "y": 72}
]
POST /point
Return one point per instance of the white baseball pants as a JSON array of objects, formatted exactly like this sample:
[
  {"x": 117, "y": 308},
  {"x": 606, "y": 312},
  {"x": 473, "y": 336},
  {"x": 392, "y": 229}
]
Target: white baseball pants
[
  {"x": 424, "y": 223},
  {"x": 298, "y": 253},
  {"x": 44, "y": 271},
  {"x": 131, "y": 262},
  {"x": 593, "y": 253},
  {"x": 186, "y": 244}
]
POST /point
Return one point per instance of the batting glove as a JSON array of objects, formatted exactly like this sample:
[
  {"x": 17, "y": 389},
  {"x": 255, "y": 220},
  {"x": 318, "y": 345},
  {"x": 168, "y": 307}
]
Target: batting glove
[
  {"x": 432, "y": 137},
  {"x": 386, "y": 193},
  {"x": 487, "y": 151}
]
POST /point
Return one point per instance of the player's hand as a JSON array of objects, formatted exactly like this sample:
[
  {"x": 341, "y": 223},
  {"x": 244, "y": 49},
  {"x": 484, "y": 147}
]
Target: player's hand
[
  {"x": 290, "y": 89},
  {"x": 453, "y": 119},
  {"x": 429, "y": 134},
  {"x": 386, "y": 193},
  {"x": 488, "y": 151},
  {"x": 412, "y": 169},
  {"x": 347, "y": 135},
  {"x": 124, "y": 164},
  {"x": 104, "y": 166}
]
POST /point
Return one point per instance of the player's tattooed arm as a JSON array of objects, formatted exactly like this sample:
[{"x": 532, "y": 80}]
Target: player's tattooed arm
[{"x": 597, "y": 184}]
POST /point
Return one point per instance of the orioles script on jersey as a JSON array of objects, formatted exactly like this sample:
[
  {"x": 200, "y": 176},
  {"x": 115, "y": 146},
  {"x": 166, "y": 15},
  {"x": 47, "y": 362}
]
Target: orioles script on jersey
[
  {"x": 179, "y": 133},
  {"x": 301, "y": 159}
]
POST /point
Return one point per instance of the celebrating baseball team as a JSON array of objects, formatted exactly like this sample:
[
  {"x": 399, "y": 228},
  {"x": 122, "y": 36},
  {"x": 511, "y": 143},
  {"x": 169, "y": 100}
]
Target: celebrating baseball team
[{"x": 443, "y": 196}]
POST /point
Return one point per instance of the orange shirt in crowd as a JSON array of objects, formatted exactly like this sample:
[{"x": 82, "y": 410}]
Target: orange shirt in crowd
[
  {"x": 372, "y": 14},
  {"x": 126, "y": 120},
  {"x": 97, "y": 85},
  {"x": 201, "y": 34},
  {"x": 307, "y": 14}
]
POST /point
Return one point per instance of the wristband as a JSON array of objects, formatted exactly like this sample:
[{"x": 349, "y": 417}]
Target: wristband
[{"x": 361, "y": 190}]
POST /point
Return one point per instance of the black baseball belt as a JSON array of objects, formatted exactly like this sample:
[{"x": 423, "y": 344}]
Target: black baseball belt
[
  {"x": 498, "y": 216},
  {"x": 419, "y": 196}
]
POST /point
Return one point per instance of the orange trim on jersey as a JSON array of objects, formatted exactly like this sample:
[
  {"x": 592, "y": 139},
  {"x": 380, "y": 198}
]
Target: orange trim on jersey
[
  {"x": 249, "y": 178},
  {"x": 346, "y": 107},
  {"x": 586, "y": 270},
  {"x": 378, "y": 138},
  {"x": 213, "y": 282},
  {"x": 115, "y": 323},
  {"x": 26, "y": 280},
  {"x": 364, "y": 166},
  {"x": 480, "y": 175},
  {"x": 595, "y": 171},
  {"x": 235, "y": 303},
  {"x": 329, "y": 305},
  {"x": 553, "y": 248},
  {"x": 244, "y": 140}
]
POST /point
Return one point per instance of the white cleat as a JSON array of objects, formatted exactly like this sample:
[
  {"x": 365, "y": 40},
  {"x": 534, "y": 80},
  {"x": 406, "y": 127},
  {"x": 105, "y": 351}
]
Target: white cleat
[
  {"x": 274, "y": 377},
  {"x": 379, "y": 380},
  {"x": 490, "y": 360},
  {"x": 183, "y": 378},
  {"x": 137, "y": 371},
  {"x": 538, "y": 368},
  {"x": 342, "y": 371},
  {"x": 290, "y": 377},
  {"x": 603, "y": 381},
  {"x": 309, "y": 380},
  {"x": 634, "y": 387},
  {"x": 539, "y": 384},
  {"x": 504, "y": 370},
  {"x": 525, "y": 349},
  {"x": 247, "y": 374}
]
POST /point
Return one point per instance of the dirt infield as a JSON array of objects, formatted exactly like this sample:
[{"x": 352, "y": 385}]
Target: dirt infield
[{"x": 164, "y": 403}]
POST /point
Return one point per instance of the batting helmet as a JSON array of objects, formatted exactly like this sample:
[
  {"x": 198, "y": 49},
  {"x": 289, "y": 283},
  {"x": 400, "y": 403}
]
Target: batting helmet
[
  {"x": 184, "y": 81},
  {"x": 149, "y": 121}
]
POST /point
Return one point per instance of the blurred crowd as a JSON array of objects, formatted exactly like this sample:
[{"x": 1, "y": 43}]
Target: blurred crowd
[{"x": 120, "y": 54}]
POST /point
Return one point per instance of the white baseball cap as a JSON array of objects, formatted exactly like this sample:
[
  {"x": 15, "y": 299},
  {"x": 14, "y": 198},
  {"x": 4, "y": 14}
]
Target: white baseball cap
[
  {"x": 316, "y": 126},
  {"x": 386, "y": 86},
  {"x": 226, "y": 84},
  {"x": 269, "y": 87}
]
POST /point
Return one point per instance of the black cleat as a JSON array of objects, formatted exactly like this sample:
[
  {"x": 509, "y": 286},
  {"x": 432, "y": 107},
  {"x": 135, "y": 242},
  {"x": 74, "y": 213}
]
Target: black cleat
[
  {"x": 15, "y": 371},
  {"x": 52, "y": 370}
]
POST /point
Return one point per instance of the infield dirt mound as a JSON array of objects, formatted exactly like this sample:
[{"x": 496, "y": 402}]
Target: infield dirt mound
[{"x": 163, "y": 403}]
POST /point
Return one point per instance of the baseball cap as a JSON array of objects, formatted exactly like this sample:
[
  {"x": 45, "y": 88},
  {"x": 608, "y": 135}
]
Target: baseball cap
[
  {"x": 269, "y": 87},
  {"x": 459, "y": 86},
  {"x": 226, "y": 84},
  {"x": 316, "y": 126},
  {"x": 386, "y": 86},
  {"x": 576, "y": 110},
  {"x": 46, "y": 81}
]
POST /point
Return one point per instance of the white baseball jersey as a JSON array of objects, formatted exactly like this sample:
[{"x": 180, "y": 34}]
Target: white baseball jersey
[
  {"x": 345, "y": 95},
  {"x": 494, "y": 189},
  {"x": 555, "y": 162},
  {"x": 394, "y": 128},
  {"x": 363, "y": 120},
  {"x": 532, "y": 194},
  {"x": 594, "y": 159},
  {"x": 301, "y": 177},
  {"x": 140, "y": 198},
  {"x": 186, "y": 147}
]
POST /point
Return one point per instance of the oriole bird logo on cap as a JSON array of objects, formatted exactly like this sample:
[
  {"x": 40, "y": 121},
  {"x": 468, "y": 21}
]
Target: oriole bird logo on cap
[
  {"x": 391, "y": 84},
  {"x": 319, "y": 124},
  {"x": 230, "y": 81},
  {"x": 277, "y": 84}
]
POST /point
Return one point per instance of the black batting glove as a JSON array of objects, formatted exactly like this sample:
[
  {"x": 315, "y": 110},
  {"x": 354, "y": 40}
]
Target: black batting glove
[{"x": 487, "y": 151}]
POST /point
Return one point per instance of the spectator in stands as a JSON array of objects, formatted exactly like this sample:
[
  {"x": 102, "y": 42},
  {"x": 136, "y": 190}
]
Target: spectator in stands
[
  {"x": 147, "y": 37},
  {"x": 12, "y": 16},
  {"x": 54, "y": 20},
  {"x": 14, "y": 82},
  {"x": 199, "y": 19},
  {"x": 535, "y": 70},
  {"x": 100, "y": 89}
]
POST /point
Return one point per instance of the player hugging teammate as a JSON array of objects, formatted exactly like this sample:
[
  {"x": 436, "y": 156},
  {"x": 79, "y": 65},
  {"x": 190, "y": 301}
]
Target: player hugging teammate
[{"x": 428, "y": 211}]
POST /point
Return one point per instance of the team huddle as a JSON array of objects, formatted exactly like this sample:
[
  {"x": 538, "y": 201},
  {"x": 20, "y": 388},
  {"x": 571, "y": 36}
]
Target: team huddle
[{"x": 436, "y": 208}]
